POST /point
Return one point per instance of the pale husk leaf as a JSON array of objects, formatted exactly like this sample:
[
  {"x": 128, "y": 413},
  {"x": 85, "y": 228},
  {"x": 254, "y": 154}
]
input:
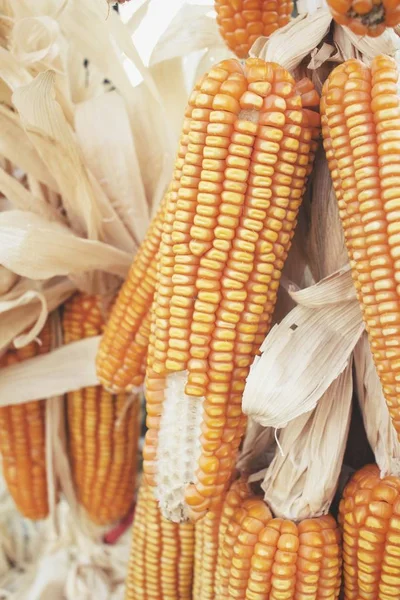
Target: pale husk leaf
[
  {"x": 110, "y": 154},
  {"x": 326, "y": 246},
  {"x": 302, "y": 479},
  {"x": 378, "y": 425},
  {"x": 11, "y": 71},
  {"x": 168, "y": 76},
  {"x": 49, "y": 131},
  {"x": 68, "y": 368},
  {"x": 191, "y": 29},
  {"x": 258, "y": 448},
  {"x": 291, "y": 44},
  {"x": 23, "y": 199},
  {"x": 313, "y": 343},
  {"x": 16, "y": 147},
  {"x": 36, "y": 248},
  {"x": 28, "y": 304}
]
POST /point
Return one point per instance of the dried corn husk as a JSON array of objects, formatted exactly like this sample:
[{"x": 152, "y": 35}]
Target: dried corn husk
[
  {"x": 378, "y": 424},
  {"x": 302, "y": 479}
]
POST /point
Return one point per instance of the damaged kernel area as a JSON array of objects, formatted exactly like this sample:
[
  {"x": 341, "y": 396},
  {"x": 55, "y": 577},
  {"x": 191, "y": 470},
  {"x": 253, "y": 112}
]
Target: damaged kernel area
[
  {"x": 247, "y": 147},
  {"x": 242, "y": 22},
  {"x": 366, "y": 17}
]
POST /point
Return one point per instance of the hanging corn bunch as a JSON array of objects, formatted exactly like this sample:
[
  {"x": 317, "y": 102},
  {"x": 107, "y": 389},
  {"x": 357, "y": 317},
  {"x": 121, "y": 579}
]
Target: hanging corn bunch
[
  {"x": 103, "y": 430},
  {"x": 246, "y": 150},
  {"x": 361, "y": 112},
  {"x": 366, "y": 17},
  {"x": 23, "y": 439},
  {"x": 242, "y": 22},
  {"x": 162, "y": 554}
]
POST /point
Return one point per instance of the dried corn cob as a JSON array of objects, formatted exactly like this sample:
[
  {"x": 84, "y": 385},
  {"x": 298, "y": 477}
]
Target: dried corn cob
[
  {"x": 366, "y": 17},
  {"x": 262, "y": 558},
  {"x": 22, "y": 440},
  {"x": 210, "y": 533},
  {"x": 103, "y": 430},
  {"x": 162, "y": 555},
  {"x": 370, "y": 519},
  {"x": 247, "y": 147},
  {"x": 122, "y": 354},
  {"x": 361, "y": 123},
  {"x": 241, "y": 22}
]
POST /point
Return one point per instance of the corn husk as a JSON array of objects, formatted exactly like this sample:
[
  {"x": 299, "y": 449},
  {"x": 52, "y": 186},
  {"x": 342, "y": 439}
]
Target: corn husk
[
  {"x": 302, "y": 479},
  {"x": 377, "y": 422}
]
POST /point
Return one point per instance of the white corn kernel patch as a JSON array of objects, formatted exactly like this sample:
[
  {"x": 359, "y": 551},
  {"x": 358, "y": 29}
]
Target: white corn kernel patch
[{"x": 179, "y": 447}]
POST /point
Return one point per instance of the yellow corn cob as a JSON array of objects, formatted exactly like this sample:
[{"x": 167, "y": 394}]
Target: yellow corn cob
[
  {"x": 210, "y": 533},
  {"x": 370, "y": 519},
  {"x": 162, "y": 555},
  {"x": 361, "y": 125},
  {"x": 242, "y": 22},
  {"x": 103, "y": 430},
  {"x": 22, "y": 440},
  {"x": 247, "y": 147},
  {"x": 122, "y": 354},
  {"x": 366, "y": 17},
  {"x": 262, "y": 558}
]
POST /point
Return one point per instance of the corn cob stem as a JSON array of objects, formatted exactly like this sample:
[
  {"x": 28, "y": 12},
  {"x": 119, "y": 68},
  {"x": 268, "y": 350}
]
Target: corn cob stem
[
  {"x": 103, "y": 430},
  {"x": 22, "y": 440},
  {"x": 247, "y": 147},
  {"x": 361, "y": 120}
]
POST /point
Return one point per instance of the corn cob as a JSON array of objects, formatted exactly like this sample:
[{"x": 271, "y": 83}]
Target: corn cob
[
  {"x": 241, "y": 22},
  {"x": 122, "y": 354},
  {"x": 361, "y": 121},
  {"x": 366, "y": 17},
  {"x": 162, "y": 554},
  {"x": 103, "y": 429},
  {"x": 210, "y": 533},
  {"x": 22, "y": 440},
  {"x": 247, "y": 147},
  {"x": 370, "y": 519},
  {"x": 262, "y": 558}
]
